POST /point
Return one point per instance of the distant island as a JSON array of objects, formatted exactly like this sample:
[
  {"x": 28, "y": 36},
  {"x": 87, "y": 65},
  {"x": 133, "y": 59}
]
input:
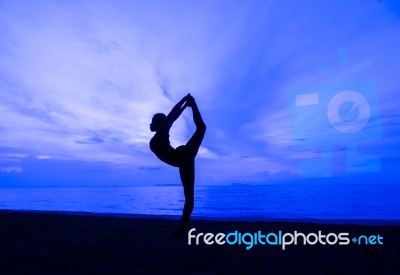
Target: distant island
[{"x": 167, "y": 184}]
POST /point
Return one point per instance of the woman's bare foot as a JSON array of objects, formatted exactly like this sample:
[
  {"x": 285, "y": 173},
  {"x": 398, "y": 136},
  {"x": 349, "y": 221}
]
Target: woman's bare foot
[
  {"x": 179, "y": 232},
  {"x": 190, "y": 101}
]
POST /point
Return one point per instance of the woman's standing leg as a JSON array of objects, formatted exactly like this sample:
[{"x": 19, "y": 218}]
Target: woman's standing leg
[{"x": 186, "y": 172}]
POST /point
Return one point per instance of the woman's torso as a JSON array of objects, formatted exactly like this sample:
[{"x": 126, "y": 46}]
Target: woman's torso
[{"x": 161, "y": 147}]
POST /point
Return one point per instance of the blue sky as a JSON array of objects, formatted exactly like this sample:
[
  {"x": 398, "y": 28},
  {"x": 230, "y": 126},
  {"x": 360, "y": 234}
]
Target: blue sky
[{"x": 80, "y": 81}]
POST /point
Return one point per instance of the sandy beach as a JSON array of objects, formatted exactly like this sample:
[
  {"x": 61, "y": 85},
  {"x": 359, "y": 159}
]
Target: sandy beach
[{"x": 59, "y": 243}]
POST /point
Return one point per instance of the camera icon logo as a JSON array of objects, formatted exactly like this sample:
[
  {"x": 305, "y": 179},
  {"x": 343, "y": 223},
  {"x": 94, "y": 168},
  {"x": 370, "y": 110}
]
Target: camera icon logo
[
  {"x": 348, "y": 121},
  {"x": 337, "y": 113}
]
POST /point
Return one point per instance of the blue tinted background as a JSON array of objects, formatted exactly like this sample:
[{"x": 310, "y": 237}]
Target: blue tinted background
[{"x": 80, "y": 81}]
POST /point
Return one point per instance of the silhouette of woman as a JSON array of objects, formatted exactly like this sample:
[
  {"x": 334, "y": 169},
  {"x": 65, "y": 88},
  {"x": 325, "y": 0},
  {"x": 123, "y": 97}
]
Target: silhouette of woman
[{"x": 181, "y": 157}]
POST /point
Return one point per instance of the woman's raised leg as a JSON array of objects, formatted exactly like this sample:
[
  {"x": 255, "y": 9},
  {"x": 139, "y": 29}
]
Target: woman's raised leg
[{"x": 193, "y": 145}]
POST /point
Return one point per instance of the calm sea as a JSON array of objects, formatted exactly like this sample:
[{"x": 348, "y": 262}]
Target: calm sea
[{"x": 370, "y": 202}]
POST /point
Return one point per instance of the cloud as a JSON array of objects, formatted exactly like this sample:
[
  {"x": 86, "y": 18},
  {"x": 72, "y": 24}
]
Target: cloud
[
  {"x": 10, "y": 162},
  {"x": 150, "y": 168},
  {"x": 74, "y": 76},
  {"x": 43, "y": 157},
  {"x": 11, "y": 169},
  {"x": 81, "y": 80}
]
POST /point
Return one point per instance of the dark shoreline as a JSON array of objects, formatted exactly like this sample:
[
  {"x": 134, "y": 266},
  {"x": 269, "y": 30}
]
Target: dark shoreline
[
  {"x": 38, "y": 242},
  {"x": 382, "y": 222}
]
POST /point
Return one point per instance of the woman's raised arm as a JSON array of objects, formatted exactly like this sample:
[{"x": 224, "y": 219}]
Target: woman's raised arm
[{"x": 175, "y": 112}]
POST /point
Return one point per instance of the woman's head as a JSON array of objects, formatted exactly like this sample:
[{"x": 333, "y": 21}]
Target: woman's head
[{"x": 157, "y": 121}]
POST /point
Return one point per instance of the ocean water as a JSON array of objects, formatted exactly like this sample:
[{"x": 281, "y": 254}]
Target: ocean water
[{"x": 366, "y": 202}]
